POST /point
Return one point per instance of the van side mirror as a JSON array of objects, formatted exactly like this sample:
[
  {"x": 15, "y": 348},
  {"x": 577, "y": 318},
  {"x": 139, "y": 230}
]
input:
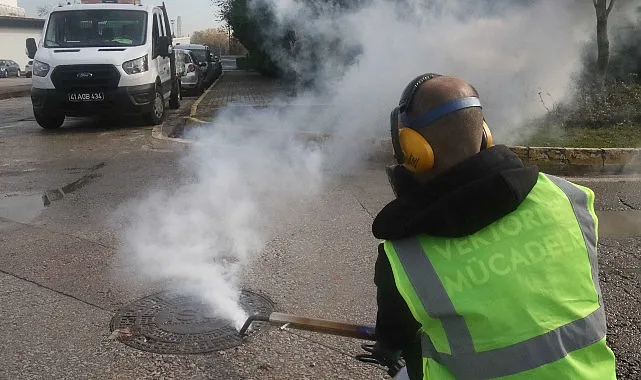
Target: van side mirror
[
  {"x": 164, "y": 43},
  {"x": 31, "y": 47}
]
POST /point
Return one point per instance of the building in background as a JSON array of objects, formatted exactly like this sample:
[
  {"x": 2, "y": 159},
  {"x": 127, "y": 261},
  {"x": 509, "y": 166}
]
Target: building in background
[
  {"x": 11, "y": 8},
  {"x": 15, "y": 28}
]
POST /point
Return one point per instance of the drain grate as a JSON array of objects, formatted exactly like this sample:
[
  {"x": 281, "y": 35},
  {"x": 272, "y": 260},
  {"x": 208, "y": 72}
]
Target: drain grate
[{"x": 173, "y": 323}]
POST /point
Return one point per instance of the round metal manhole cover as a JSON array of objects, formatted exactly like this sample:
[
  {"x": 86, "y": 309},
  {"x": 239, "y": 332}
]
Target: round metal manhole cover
[{"x": 173, "y": 323}]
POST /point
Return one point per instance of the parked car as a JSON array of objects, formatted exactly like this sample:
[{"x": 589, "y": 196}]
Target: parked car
[
  {"x": 28, "y": 69},
  {"x": 9, "y": 68},
  {"x": 205, "y": 62},
  {"x": 191, "y": 77}
]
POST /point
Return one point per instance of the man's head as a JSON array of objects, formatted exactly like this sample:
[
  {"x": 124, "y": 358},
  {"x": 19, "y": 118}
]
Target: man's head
[{"x": 438, "y": 124}]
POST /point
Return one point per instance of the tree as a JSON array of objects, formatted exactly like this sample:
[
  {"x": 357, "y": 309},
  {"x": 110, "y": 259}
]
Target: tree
[
  {"x": 288, "y": 46},
  {"x": 219, "y": 41},
  {"x": 216, "y": 39},
  {"x": 603, "y": 10},
  {"x": 44, "y": 10}
]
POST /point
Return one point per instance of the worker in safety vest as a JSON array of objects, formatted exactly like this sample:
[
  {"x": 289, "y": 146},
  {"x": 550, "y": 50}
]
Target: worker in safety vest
[{"x": 488, "y": 268}]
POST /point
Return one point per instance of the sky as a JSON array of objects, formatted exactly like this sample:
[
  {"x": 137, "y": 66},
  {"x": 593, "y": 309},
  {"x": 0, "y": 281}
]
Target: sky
[{"x": 196, "y": 14}]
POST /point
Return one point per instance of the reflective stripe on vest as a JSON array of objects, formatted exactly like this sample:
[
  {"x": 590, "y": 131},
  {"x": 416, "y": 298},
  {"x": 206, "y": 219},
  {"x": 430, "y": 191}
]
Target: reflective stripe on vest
[{"x": 464, "y": 361}]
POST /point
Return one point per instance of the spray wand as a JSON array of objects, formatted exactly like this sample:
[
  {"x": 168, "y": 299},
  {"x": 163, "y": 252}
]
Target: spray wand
[{"x": 377, "y": 355}]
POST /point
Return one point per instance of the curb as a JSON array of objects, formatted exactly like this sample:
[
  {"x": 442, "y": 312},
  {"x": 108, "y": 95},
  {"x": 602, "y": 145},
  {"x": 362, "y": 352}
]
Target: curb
[
  {"x": 555, "y": 160},
  {"x": 158, "y": 132},
  {"x": 570, "y": 160}
]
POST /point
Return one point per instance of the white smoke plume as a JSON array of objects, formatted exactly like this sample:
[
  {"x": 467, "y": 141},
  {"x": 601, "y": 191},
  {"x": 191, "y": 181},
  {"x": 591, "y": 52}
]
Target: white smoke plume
[
  {"x": 243, "y": 184},
  {"x": 513, "y": 55},
  {"x": 199, "y": 236}
]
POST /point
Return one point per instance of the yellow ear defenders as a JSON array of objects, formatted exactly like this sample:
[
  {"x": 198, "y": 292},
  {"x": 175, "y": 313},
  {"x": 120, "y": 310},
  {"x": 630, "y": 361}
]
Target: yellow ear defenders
[{"x": 411, "y": 149}]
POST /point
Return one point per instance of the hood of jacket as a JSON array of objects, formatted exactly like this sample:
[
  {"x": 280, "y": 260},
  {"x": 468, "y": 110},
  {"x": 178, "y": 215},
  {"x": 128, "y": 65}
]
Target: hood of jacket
[{"x": 460, "y": 201}]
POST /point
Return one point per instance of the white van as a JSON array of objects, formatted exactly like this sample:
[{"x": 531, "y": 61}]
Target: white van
[{"x": 103, "y": 57}]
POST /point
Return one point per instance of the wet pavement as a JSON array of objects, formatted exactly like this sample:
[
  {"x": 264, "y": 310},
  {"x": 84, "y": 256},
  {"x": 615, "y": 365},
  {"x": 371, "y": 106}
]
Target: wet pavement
[
  {"x": 6, "y": 83},
  {"x": 61, "y": 280},
  {"x": 14, "y": 87}
]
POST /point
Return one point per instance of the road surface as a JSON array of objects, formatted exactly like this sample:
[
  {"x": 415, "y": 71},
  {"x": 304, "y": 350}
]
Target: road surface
[{"x": 61, "y": 277}]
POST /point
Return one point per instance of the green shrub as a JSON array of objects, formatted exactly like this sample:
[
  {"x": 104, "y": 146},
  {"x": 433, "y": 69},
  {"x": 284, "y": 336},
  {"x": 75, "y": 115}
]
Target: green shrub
[{"x": 596, "y": 106}]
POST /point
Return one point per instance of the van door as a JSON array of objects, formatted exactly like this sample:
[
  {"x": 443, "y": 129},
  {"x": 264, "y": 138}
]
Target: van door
[{"x": 163, "y": 66}]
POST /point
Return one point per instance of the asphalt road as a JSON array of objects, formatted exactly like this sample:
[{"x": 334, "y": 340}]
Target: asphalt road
[
  {"x": 14, "y": 87},
  {"x": 12, "y": 82},
  {"x": 61, "y": 277}
]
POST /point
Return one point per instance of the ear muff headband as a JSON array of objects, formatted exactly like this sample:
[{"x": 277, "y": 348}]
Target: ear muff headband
[
  {"x": 396, "y": 145},
  {"x": 440, "y": 111}
]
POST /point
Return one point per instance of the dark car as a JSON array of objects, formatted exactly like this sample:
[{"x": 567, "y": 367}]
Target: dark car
[
  {"x": 205, "y": 61},
  {"x": 9, "y": 68}
]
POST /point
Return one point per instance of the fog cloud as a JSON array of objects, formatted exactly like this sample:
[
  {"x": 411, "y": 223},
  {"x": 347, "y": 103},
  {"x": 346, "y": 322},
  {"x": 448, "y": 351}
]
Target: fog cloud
[{"x": 244, "y": 183}]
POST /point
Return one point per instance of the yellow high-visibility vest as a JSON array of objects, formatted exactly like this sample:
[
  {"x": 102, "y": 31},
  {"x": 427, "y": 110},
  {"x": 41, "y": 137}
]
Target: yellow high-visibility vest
[{"x": 519, "y": 299}]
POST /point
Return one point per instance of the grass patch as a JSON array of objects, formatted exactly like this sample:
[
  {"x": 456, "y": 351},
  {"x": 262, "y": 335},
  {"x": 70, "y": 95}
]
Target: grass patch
[{"x": 618, "y": 136}]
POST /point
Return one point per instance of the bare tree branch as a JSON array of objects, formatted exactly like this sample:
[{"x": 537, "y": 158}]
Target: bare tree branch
[{"x": 607, "y": 12}]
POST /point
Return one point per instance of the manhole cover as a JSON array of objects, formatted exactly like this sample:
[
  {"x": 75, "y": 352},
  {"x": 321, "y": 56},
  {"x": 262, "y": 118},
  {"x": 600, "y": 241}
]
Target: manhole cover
[{"x": 173, "y": 323}]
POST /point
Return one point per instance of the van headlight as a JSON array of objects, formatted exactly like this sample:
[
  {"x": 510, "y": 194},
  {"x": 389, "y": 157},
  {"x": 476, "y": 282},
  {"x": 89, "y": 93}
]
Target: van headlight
[
  {"x": 40, "y": 69},
  {"x": 135, "y": 66}
]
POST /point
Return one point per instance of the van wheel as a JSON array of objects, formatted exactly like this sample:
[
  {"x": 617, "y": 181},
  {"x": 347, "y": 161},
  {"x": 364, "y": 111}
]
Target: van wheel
[
  {"x": 157, "y": 114},
  {"x": 49, "y": 121}
]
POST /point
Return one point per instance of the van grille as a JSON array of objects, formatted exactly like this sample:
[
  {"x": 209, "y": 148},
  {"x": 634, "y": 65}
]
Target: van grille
[{"x": 82, "y": 77}]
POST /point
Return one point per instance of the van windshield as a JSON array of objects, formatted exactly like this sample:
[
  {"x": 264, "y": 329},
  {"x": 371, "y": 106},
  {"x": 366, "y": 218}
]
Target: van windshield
[{"x": 99, "y": 28}]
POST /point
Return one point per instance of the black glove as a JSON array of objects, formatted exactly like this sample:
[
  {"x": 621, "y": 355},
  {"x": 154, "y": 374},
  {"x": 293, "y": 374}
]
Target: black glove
[{"x": 380, "y": 355}]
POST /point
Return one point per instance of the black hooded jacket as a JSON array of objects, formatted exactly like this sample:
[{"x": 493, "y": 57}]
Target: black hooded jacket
[{"x": 459, "y": 202}]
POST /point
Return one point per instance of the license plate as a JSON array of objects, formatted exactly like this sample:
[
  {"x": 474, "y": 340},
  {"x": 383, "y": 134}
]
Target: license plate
[{"x": 86, "y": 96}]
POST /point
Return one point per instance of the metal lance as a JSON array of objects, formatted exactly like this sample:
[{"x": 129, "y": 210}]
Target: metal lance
[{"x": 312, "y": 324}]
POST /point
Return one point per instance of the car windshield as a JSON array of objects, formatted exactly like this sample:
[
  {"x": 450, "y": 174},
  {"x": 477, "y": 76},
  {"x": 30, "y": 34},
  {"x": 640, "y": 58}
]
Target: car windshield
[
  {"x": 201, "y": 55},
  {"x": 185, "y": 55},
  {"x": 99, "y": 28}
]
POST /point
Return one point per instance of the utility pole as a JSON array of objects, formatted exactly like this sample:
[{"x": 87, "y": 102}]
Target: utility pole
[{"x": 229, "y": 36}]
